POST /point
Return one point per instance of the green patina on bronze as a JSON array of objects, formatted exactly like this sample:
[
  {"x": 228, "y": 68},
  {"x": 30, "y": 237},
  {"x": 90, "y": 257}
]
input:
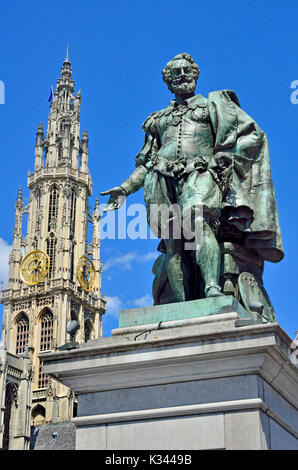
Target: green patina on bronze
[
  {"x": 208, "y": 153},
  {"x": 182, "y": 311}
]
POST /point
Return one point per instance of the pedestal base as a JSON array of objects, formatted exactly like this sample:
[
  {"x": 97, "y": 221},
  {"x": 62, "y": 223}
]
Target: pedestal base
[{"x": 207, "y": 383}]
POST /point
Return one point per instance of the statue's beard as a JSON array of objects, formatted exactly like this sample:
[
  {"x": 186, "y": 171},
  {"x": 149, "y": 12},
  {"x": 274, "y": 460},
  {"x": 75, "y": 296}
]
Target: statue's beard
[{"x": 186, "y": 86}]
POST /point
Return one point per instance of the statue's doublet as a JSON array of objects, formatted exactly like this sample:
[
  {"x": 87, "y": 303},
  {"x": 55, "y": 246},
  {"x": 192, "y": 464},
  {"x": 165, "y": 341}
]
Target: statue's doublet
[
  {"x": 178, "y": 154},
  {"x": 182, "y": 136}
]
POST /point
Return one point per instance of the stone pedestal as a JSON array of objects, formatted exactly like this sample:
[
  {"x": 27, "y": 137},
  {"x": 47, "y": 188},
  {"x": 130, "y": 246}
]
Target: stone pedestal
[{"x": 222, "y": 381}]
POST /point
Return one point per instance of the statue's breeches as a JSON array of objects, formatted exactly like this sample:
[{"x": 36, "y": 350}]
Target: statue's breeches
[{"x": 196, "y": 194}]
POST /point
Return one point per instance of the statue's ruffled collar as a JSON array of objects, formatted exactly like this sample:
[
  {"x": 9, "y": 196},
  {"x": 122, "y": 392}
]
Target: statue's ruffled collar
[{"x": 191, "y": 102}]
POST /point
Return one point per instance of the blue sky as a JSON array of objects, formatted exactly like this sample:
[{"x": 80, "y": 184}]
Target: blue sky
[{"x": 118, "y": 50}]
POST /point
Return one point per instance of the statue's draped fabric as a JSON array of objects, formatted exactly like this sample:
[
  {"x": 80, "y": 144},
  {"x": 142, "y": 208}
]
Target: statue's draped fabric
[
  {"x": 218, "y": 157},
  {"x": 251, "y": 189}
]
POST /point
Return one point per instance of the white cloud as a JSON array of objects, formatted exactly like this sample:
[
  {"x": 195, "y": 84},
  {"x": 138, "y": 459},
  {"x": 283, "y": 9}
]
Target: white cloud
[
  {"x": 152, "y": 255},
  {"x": 5, "y": 249},
  {"x": 144, "y": 301},
  {"x": 126, "y": 262},
  {"x": 114, "y": 305}
]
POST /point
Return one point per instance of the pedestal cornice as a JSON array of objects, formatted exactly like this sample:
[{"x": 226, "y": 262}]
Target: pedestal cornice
[{"x": 208, "y": 349}]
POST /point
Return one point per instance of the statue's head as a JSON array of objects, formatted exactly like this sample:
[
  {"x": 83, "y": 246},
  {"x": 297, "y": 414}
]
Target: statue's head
[{"x": 181, "y": 74}]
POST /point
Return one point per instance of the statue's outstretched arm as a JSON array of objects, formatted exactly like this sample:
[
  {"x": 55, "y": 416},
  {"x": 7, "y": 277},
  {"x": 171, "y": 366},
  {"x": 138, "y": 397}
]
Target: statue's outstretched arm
[
  {"x": 136, "y": 179},
  {"x": 131, "y": 185}
]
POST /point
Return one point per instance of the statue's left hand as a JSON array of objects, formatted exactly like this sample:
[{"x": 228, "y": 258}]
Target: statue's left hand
[{"x": 117, "y": 197}]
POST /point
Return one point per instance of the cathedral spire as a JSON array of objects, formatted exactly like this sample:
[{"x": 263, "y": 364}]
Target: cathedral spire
[
  {"x": 57, "y": 232},
  {"x": 15, "y": 256},
  {"x": 65, "y": 82},
  {"x": 84, "y": 152},
  {"x": 39, "y": 147},
  {"x": 19, "y": 209},
  {"x": 19, "y": 204},
  {"x": 66, "y": 70},
  {"x": 67, "y": 54},
  {"x": 63, "y": 135},
  {"x": 20, "y": 195}
]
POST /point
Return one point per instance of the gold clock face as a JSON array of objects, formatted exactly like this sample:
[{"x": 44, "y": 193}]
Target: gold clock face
[
  {"x": 34, "y": 267},
  {"x": 86, "y": 273}
]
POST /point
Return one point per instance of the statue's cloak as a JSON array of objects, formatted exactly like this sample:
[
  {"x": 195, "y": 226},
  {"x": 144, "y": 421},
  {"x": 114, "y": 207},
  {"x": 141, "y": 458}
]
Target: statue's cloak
[{"x": 249, "y": 205}]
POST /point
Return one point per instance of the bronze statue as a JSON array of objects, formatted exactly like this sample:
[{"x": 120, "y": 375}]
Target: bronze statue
[{"x": 208, "y": 153}]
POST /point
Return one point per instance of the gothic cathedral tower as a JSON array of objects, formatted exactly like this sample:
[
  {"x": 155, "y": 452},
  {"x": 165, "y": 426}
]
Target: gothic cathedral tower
[{"x": 54, "y": 273}]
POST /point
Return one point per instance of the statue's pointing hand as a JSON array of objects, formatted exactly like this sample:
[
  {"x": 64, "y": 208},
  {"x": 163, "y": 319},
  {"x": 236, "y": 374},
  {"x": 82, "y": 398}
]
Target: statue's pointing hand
[{"x": 117, "y": 197}]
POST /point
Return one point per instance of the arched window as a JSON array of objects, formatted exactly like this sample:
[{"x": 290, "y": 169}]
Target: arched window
[
  {"x": 72, "y": 260},
  {"x": 46, "y": 343},
  {"x": 51, "y": 252},
  {"x": 46, "y": 331},
  {"x": 75, "y": 409},
  {"x": 38, "y": 415},
  {"x": 65, "y": 124},
  {"x": 53, "y": 208},
  {"x": 11, "y": 392},
  {"x": 22, "y": 337},
  {"x": 88, "y": 330},
  {"x": 73, "y": 315},
  {"x": 34, "y": 243},
  {"x": 60, "y": 149},
  {"x": 73, "y": 206},
  {"x": 43, "y": 379},
  {"x": 38, "y": 198}
]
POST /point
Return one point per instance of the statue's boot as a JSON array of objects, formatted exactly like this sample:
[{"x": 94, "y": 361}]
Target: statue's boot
[
  {"x": 175, "y": 276},
  {"x": 208, "y": 258},
  {"x": 213, "y": 291}
]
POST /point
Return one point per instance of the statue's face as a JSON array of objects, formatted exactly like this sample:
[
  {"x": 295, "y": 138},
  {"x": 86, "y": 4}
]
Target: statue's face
[{"x": 183, "y": 82}]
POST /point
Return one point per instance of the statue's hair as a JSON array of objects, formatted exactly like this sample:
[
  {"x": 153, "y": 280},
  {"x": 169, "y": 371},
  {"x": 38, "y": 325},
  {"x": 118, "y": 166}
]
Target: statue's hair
[{"x": 166, "y": 73}]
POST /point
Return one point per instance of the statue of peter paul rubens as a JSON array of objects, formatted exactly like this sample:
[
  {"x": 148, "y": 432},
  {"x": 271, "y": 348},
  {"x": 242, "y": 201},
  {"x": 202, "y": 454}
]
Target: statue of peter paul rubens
[{"x": 208, "y": 158}]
